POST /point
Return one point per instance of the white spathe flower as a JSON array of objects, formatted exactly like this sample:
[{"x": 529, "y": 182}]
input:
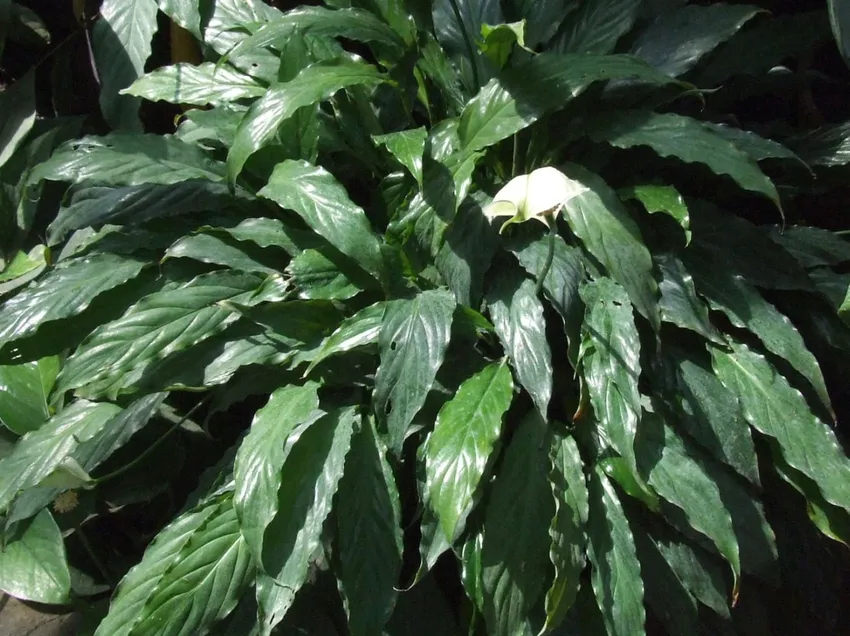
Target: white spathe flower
[{"x": 533, "y": 196}]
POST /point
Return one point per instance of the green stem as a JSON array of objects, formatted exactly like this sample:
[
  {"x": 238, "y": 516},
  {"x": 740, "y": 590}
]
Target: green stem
[
  {"x": 550, "y": 255},
  {"x": 100, "y": 565},
  {"x": 150, "y": 449},
  {"x": 469, "y": 46},
  {"x": 515, "y": 157}
]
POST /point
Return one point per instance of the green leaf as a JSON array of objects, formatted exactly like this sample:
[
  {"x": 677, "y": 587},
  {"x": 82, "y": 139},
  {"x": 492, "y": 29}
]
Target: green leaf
[
  {"x": 313, "y": 84},
  {"x": 757, "y": 147},
  {"x": 128, "y": 159},
  {"x": 827, "y": 146},
  {"x": 192, "y": 575},
  {"x": 607, "y": 231},
  {"x": 616, "y": 573},
  {"x": 498, "y": 41},
  {"x": 457, "y": 26},
  {"x": 679, "y": 302},
  {"x": 595, "y": 27},
  {"x": 517, "y": 315},
  {"x": 185, "y": 13},
  {"x": 38, "y": 453},
  {"x": 610, "y": 363},
  {"x": 121, "y": 40},
  {"x": 745, "y": 308},
  {"x": 33, "y": 565},
  {"x": 201, "y": 85},
  {"x": 315, "y": 276},
  {"x": 514, "y": 557},
  {"x": 677, "y": 40},
  {"x": 521, "y": 95},
  {"x": 839, "y": 18},
  {"x": 408, "y": 147},
  {"x": 261, "y": 456},
  {"x": 542, "y": 18},
  {"x": 775, "y": 408},
  {"x": 224, "y": 27},
  {"x": 206, "y": 247},
  {"x": 681, "y": 478},
  {"x": 414, "y": 337},
  {"x": 666, "y": 199},
  {"x": 812, "y": 246},
  {"x": 318, "y": 198},
  {"x": 21, "y": 269},
  {"x": 17, "y": 103},
  {"x": 116, "y": 354},
  {"x": 685, "y": 138},
  {"x": 369, "y": 536},
  {"x": 567, "y": 530},
  {"x": 311, "y": 475},
  {"x": 24, "y": 404},
  {"x": 63, "y": 292},
  {"x": 360, "y": 330},
  {"x": 459, "y": 449}
]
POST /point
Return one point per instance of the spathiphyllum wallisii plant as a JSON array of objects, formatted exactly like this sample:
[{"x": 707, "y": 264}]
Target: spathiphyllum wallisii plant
[{"x": 304, "y": 352}]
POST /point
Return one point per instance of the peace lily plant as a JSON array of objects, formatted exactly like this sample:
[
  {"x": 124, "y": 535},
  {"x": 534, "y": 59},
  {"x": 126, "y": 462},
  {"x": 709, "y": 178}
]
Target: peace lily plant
[{"x": 272, "y": 369}]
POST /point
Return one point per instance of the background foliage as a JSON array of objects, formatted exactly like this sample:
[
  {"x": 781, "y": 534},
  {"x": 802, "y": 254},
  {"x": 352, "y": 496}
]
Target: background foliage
[{"x": 266, "y": 366}]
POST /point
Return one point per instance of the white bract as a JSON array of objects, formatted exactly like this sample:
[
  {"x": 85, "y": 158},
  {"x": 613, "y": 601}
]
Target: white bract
[{"x": 533, "y": 196}]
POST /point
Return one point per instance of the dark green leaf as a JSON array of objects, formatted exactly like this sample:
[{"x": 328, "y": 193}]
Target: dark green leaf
[
  {"x": 748, "y": 142},
  {"x": 201, "y": 85},
  {"x": 681, "y": 478},
  {"x": 413, "y": 341},
  {"x": 685, "y": 138},
  {"x": 121, "y": 40},
  {"x": 521, "y": 95},
  {"x": 192, "y": 575},
  {"x": 206, "y": 247},
  {"x": 542, "y": 17},
  {"x": 317, "y": 277},
  {"x": 839, "y": 17},
  {"x": 116, "y": 354},
  {"x": 314, "y": 84},
  {"x": 457, "y": 26},
  {"x": 679, "y": 302},
  {"x": 567, "y": 530},
  {"x": 24, "y": 392},
  {"x": 128, "y": 159},
  {"x": 680, "y": 38},
  {"x": 361, "y": 329},
  {"x": 408, "y": 147},
  {"x": 261, "y": 456},
  {"x": 318, "y": 198},
  {"x": 666, "y": 199},
  {"x": 517, "y": 315},
  {"x": 459, "y": 450},
  {"x": 608, "y": 232},
  {"x": 311, "y": 475},
  {"x": 369, "y": 534},
  {"x": 515, "y": 555},
  {"x": 33, "y": 565},
  {"x": 812, "y": 246},
  {"x": 17, "y": 103},
  {"x": 595, "y": 27},
  {"x": 778, "y": 410},
  {"x": 827, "y": 146},
  {"x": 616, "y": 574}
]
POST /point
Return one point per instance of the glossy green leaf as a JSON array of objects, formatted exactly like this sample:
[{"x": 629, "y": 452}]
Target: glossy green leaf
[
  {"x": 827, "y": 146},
  {"x": 517, "y": 315},
  {"x": 413, "y": 340},
  {"x": 128, "y": 159},
  {"x": 311, "y": 474},
  {"x": 685, "y": 138},
  {"x": 408, "y": 147},
  {"x": 615, "y": 573},
  {"x": 261, "y": 456},
  {"x": 200, "y": 85},
  {"x": 369, "y": 534},
  {"x": 459, "y": 450},
  {"x": 677, "y": 40},
  {"x": 33, "y": 565},
  {"x": 515, "y": 555},
  {"x": 317, "y": 277},
  {"x": 457, "y": 26},
  {"x": 185, "y": 13},
  {"x": 776, "y": 409},
  {"x": 679, "y": 303},
  {"x": 607, "y": 231},
  {"x": 757, "y": 147},
  {"x": 542, "y": 18},
  {"x": 547, "y": 82},
  {"x": 567, "y": 530},
  {"x": 610, "y": 363},
  {"x": 121, "y": 40},
  {"x": 314, "y": 84},
  {"x": 17, "y": 103},
  {"x": 745, "y": 308},
  {"x": 498, "y": 41},
  {"x": 116, "y": 354},
  {"x": 680, "y": 478},
  {"x": 23, "y": 267},
  {"x": 206, "y": 247},
  {"x": 812, "y": 246},
  {"x": 223, "y": 26},
  {"x": 192, "y": 575},
  {"x": 38, "y": 453},
  {"x": 24, "y": 394},
  {"x": 595, "y": 27},
  {"x": 360, "y": 330},
  {"x": 318, "y": 198},
  {"x": 665, "y": 199}
]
